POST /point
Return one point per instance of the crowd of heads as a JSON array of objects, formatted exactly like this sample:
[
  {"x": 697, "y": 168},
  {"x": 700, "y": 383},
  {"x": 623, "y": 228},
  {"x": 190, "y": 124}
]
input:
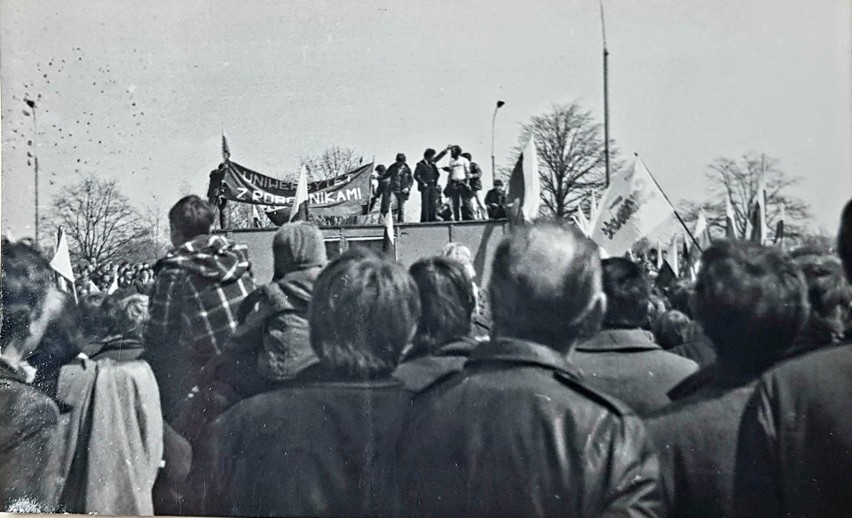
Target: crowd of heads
[{"x": 547, "y": 285}]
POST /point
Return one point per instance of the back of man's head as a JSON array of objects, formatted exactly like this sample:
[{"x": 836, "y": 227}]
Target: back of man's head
[
  {"x": 363, "y": 313},
  {"x": 546, "y": 286},
  {"x": 627, "y": 293},
  {"x": 751, "y": 302},
  {"x": 191, "y": 217},
  {"x": 844, "y": 240},
  {"x": 25, "y": 283}
]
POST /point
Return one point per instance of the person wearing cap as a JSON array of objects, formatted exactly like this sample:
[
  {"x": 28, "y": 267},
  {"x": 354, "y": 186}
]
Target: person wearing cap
[
  {"x": 397, "y": 182},
  {"x": 495, "y": 201},
  {"x": 271, "y": 343}
]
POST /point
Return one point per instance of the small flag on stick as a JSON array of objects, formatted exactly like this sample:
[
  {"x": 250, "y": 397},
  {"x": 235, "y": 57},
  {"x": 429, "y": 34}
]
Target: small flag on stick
[
  {"x": 389, "y": 243},
  {"x": 299, "y": 210},
  {"x": 61, "y": 262},
  {"x": 730, "y": 221}
]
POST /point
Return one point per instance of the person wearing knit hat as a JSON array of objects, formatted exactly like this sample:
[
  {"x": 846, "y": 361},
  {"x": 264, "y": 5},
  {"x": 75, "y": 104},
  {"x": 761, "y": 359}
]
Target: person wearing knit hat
[{"x": 271, "y": 345}]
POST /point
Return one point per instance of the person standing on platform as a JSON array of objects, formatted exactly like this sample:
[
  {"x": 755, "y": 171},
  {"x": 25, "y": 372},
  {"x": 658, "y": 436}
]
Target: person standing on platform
[
  {"x": 475, "y": 182},
  {"x": 426, "y": 175},
  {"x": 398, "y": 181},
  {"x": 458, "y": 188}
]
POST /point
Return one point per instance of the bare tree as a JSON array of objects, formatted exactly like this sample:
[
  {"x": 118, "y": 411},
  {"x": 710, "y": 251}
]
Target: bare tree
[
  {"x": 98, "y": 219},
  {"x": 571, "y": 157},
  {"x": 333, "y": 161},
  {"x": 740, "y": 179}
]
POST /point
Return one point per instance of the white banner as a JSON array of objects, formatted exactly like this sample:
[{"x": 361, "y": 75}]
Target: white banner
[{"x": 631, "y": 208}]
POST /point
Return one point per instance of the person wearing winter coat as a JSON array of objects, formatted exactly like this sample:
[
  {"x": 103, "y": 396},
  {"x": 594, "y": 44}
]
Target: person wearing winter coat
[
  {"x": 314, "y": 447},
  {"x": 518, "y": 432},
  {"x": 31, "y": 477},
  {"x": 198, "y": 288},
  {"x": 272, "y": 343}
]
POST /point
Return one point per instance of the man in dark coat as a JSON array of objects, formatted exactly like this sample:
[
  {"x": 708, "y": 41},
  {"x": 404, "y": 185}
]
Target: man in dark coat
[
  {"x": 795, "y": 451},
  {"x": 751, "y": 301},
  {"x": 397, "y": 182},
  {"x": 426, "y": 175},
  {"x": 31, "y": 476},
  {"x": 312, "y": 448},
  {"x": 624, "y": 360},
  {"x": 517, "y": 433},
  {"x": 443, "y": 340},
  {"x": 495, "y": 201}
]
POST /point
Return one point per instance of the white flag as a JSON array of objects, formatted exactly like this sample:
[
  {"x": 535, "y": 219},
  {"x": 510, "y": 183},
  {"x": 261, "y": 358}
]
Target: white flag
[
  {"x": 300, "y": 203},
  {"x": 631, "y": 209},
  {"x": 113, "y": 287},
  {"x": 581, "y": 221},
  {"x": 61, "y": 262}
]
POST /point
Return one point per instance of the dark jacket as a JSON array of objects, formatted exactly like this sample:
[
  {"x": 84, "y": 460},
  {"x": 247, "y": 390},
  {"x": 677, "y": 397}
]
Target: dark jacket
[
  {"x": 306, "y": 450},
  {"x": 276, "y": 328},
  {"x": 627, "y": 364},
  {"x": 426, "y": 175},
  {"x": 397, "y": 178},
  {"x": 699, "y": 349},
  {"x": 795, "y": 457},
  {"x": 420, "y": 372},
  {"x": 516, "y": 433},
  {"x": 30, "y": 446},
  {"x": 475, "y": 177},
  {"x": 696, "y": 441}
]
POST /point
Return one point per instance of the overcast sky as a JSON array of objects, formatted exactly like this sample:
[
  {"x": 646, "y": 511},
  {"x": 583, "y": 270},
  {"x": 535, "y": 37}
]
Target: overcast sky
[{"x": 139, "y": 91}]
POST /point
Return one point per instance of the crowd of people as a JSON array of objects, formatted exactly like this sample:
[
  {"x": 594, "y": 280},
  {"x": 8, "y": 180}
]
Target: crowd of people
[
  {"x": 93, "y": 277},
  {"x": 568, "y": 385},
  {"x": 462, "y": 188}
]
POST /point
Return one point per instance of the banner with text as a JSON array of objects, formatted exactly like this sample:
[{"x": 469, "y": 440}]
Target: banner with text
[
  {"x": 631, "y": 209},
  {"x": 343, "y": 195}
]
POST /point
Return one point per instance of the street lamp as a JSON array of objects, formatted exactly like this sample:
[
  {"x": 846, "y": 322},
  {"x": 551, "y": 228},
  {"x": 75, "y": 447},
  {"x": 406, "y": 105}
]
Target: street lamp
[
  {"x": 493, "y": 122},
  {"x": 32, "y": 105}
]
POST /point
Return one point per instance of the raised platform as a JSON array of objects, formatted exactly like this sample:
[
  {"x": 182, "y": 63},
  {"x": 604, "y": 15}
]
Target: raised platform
[{"x": 413, "y": 241}]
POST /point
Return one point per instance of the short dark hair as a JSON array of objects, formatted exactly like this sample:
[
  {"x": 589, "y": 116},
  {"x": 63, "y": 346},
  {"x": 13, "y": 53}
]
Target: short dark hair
[
  {"x": 467, "y": 155},
  {"x": 627, "y": 293},
  {"x": 545, "y": 280},
  {"x": 673, "y": 328},
  {"x": 363, "y": 311},
  {"x": 400, "y": 157},
  {"x": 192, "y": 216},
  {"x": 446, "y": 301},
  {"x": 429, "y": 153},
  {"x": 25, "y": 282},
  {"x": 498, "y": 182},
  {"x": 751, "y": 302},
  {"x": 844, "y": 240}
]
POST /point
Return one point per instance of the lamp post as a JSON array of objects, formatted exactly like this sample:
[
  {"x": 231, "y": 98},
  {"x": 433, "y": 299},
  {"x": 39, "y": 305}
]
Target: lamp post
[
  {"x": 493, "y": 123},
  {"x": 32, "y": 105}
]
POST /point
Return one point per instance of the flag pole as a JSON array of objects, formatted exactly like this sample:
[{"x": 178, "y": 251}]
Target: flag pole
[
  {"x": 605, "y": 95},
  {"x": 676, "y": 213}
]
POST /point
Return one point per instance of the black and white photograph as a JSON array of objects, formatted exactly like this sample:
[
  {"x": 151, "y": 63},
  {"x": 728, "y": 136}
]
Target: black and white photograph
[{"x": 585, "y": 258}]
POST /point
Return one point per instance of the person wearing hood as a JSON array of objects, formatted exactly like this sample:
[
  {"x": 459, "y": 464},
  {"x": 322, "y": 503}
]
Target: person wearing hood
[
  {"x": 271, "y": 344},
  {"x": 198, "y": 288}
]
